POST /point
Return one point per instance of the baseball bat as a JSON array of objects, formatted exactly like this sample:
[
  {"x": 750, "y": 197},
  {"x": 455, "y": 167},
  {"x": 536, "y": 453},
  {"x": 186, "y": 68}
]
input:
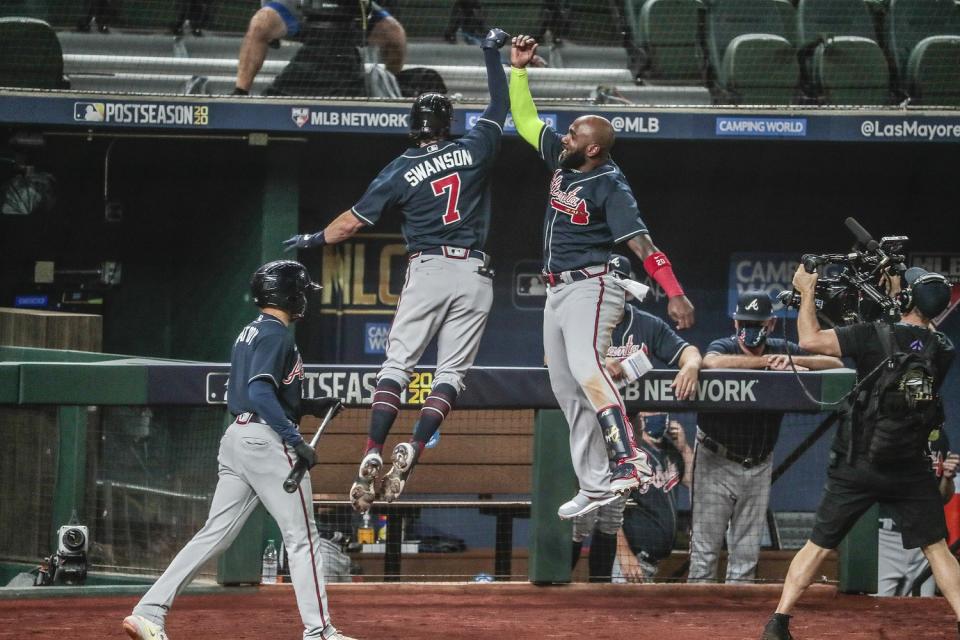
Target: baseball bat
[{"x": 300, "y": 467}]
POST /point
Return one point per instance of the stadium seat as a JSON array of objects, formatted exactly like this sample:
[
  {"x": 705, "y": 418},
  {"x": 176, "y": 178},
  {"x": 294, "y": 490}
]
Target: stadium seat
[
  {"x": 667, "y": 31},
  {"x": 593, "y": 22},
  {"x": 910, "y": 21},
  {"x": 66, "y": 13},
  {"x": 155, "y": 15},
  {"x": 841, "y": 60},
  {"x": 933, "y": 71},
  {"x": 788, "y": 15},
  {"x": 30, "y": 55},
  {"x": 750, "y": 55}
]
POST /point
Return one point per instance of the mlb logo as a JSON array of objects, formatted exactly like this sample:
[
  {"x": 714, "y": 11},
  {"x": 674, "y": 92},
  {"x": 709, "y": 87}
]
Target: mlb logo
[
  {"x": 89, "y": 111},
  {"x": 300, "y": 115}
]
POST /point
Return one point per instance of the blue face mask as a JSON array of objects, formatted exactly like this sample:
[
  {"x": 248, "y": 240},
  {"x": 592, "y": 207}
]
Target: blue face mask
[
  {"x": 655, "y": 425},
  {"x": 753, "y": 335}
]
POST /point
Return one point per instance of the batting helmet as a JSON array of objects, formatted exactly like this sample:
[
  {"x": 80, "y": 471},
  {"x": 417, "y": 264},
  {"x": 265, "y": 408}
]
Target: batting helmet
[
  {"x": 621, "y": 266},
  {"x": 283, "y": 284},
  {"x": 430, "y": 117}
]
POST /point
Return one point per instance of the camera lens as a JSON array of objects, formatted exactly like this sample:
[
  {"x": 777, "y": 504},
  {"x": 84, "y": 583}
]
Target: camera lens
[{"x": 73, "y": 539}]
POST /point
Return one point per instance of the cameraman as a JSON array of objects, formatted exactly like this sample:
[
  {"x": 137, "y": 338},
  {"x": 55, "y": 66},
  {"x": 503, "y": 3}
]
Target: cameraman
[{"x": 854, "y": 482}]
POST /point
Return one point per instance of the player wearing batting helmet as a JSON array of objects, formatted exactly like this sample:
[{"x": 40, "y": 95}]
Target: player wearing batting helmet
[
  {"x": 256, "y": 455},
  {"x": 591, "y": 208},
  {"x": 441, "y": 186}
]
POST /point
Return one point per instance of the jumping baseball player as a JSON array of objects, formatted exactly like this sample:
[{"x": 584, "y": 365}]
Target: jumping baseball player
[
  {"x": 591, "y": 209},
  {"x": 440, "y": 185},
  {"x": 257, "y": 453},
  {"x": 637, "y": 331}
]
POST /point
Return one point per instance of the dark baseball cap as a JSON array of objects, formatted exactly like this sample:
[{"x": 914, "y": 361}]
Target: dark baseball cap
[
  {"x": 931, "y": 291},
  {"x": 753, "y": 305},
  {"x": 620, "y": 265}
]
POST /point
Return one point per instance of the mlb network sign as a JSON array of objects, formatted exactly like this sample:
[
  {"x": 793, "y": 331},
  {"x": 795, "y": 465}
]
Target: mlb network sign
[{"x": 147, "y": 114}]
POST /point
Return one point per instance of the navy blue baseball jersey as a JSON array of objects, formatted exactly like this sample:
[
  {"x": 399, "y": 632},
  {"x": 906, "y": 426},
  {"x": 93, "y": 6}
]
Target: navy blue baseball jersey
[
  {"x": 749, "y": 434},
  {"x": 265, "y": 350},
  {"x": 442, "y": 190},
  {"x": 587, "y": 213},
  {"x": 641, "y": 330},
  {"x": 651, "y": 526}
]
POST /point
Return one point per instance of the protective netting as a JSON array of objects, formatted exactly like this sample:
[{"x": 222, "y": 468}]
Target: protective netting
[
  {"x": 28, "y": 464},
  {"x": 153, "y": 470},
  {"x": 837, "y": 52}
]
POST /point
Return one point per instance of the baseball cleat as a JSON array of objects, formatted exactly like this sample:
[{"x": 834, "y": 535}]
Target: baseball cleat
[
  {"x": 362, "y": 495},
  {"x": 582, "y": 504},
  {"x": 631, "y": 473},
  {"x": 340, "y": 636},
  {"x": 370, "y": 465},
  {"x": 139, "y": 628},
  {"x": 404, "y": 458},
  {"x": 776, "y": 629}
]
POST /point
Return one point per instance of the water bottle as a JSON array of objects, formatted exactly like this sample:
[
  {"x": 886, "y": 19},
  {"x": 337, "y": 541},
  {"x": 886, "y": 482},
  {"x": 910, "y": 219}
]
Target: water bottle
[{"x": 269, "y": 573}]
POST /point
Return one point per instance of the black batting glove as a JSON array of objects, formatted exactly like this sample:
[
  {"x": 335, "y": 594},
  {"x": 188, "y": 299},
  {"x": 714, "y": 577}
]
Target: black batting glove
[
  {"x": 306, "y": 453},
  {"x": 495, "y": 39},
  {"x": 304, "y": 241},
  {"x": 320, "y": 406}
]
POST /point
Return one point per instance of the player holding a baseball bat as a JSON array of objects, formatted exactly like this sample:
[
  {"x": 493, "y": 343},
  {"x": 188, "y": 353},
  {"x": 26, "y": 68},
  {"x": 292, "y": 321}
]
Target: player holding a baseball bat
[{"x": 263, "y": 458}]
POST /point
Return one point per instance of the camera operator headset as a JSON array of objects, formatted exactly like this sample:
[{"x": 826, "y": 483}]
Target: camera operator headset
[{"x": 877, "y": 454}]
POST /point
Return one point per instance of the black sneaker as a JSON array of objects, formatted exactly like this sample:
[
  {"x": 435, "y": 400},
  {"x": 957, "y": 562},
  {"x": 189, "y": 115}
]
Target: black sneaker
[{"x": 777, "y": 629}]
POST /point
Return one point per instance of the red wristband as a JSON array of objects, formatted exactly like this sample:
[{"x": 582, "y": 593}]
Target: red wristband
[{"x": 660, "y": 269}]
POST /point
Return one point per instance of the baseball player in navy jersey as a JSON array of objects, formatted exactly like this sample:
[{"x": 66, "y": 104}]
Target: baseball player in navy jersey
[
  {"x": 637, "y": 331},
  {"x": 591, "y": 208},
  {"x": 441, "y": 186},
  {"x": 733, "y": 467},
  {"x": 257, "y": 452}
]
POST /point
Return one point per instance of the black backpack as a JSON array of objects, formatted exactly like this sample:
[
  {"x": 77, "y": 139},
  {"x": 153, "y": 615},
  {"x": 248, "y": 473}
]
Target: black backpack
[{"x": 902, "y": 407}]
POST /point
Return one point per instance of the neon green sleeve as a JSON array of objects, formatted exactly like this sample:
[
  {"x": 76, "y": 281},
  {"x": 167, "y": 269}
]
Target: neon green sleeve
[{"x": 525, "y": 116}]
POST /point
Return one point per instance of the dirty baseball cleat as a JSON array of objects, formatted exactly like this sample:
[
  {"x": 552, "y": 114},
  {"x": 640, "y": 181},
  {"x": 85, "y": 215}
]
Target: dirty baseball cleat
[
  {"x": 404, "y": 458},
  {"x": 778, "y": 628},
  {"x": 139, "y": 628},
  {"x": 581, "y": 504},
  {"x": 370, "y": 465},
  {"x": 362, "y": 495}
]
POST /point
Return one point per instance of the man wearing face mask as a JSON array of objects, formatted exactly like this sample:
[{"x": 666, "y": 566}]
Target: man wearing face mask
[{"x": 732, "y": 466}]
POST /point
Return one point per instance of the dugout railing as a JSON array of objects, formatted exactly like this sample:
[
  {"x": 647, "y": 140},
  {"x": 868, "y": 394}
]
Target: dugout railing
[{"x": 70, "y": 393}]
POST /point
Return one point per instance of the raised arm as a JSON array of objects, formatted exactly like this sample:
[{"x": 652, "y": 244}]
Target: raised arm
[
  {"x": 525, "y": 116},
  {"x": 496, "y": 111}
]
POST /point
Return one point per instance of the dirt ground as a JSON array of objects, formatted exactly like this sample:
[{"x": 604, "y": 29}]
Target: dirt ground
[{"x": 497, "y": 611}]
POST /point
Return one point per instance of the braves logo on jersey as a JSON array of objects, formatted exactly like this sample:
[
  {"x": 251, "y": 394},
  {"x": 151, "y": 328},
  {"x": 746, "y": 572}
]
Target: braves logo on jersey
[
  {"x": 296, "y": 372},
  {"x": 664, "y": 478},
  {"x": 568, "y": 202}
]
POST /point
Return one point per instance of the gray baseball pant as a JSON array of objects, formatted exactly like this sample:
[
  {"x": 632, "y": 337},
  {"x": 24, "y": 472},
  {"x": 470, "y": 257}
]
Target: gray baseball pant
[
  {"x": 898, "y": 568},
  {"x": 254, "y": 462},
  {"x": 608, "y": 519},
  {"x": 731, "y": 500},
  {"x": 443, "y": 297},
  {"x": 578, "y": 322}
]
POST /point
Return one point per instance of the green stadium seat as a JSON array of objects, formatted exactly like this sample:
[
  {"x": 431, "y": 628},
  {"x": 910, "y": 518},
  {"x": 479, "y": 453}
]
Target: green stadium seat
[
  {"x": 910, "y": 21},
  {"x": 750, "y": 54},
  {"x": 933, "y": 71},
  {"x": 593, "y": 22},
  {"x": 151, "y": 15},
  {"x": 30, "y": 55},
  {"x": 842, "y": 62},
  {"x": 668, "y": 32},
  {"x": 421, "y": 19},
  {"x": 788, "y": 15}
]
